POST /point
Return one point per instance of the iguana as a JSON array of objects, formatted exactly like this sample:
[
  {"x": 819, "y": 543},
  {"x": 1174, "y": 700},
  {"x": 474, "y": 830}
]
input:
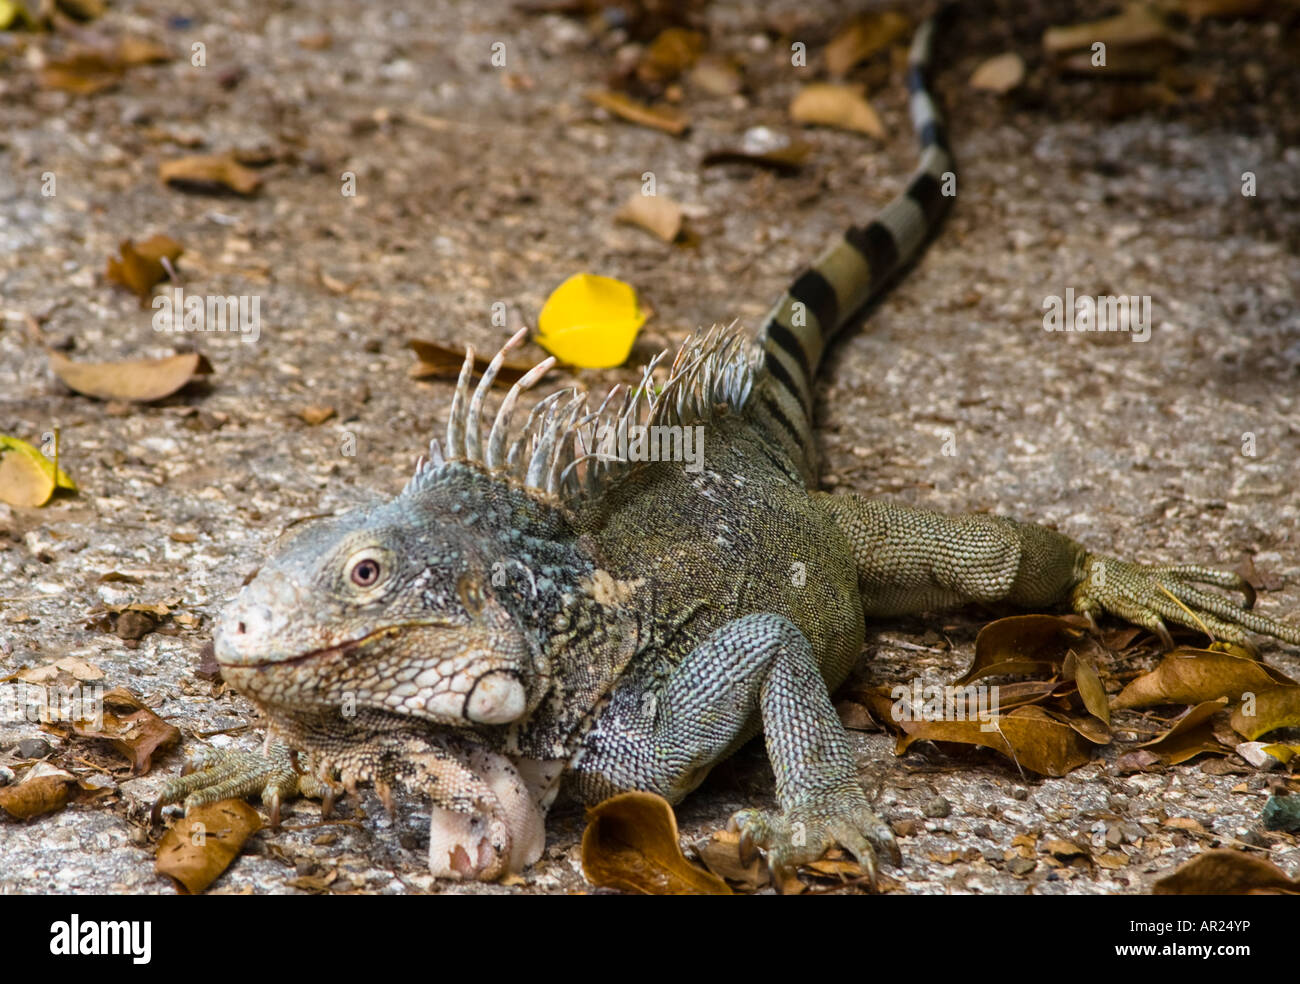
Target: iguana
[{"x": 536, "y": 609}]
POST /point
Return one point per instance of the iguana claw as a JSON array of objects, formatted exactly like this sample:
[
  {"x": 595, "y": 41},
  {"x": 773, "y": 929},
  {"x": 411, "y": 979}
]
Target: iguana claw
[
  {"x": 214, "y": 775},
  {"x": 1150, "y": 595}
]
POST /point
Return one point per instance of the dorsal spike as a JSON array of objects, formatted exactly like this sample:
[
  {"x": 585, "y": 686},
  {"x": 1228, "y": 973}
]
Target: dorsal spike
[
  {"x": 540, "y": 463},
  {"x": 474, "y": 425},
  {"x": 435, "y": 454},
  {"x": 501, "y": 426},
  {"x": 456, "y": 422},
  {"x": 515, "y": 459}
]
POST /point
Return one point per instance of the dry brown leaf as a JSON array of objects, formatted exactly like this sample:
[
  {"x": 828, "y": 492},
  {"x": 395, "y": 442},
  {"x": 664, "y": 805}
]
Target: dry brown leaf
[
  {"x": 1191, "y": 734},
  {"x": 315, "y": 415},
  {"x": 1190, "y": 676},
  {"x": 1028, "y": 736},
  {"x": 140, "y": 266},
  {"x": 43, "y": 790},
  {"x": 209, "y": 173},
  {"x": 1024, "y": 644},
  {"x": 674, "y": 51},
  {"x": 842, "y": 106},
  {"x": 631, "y": 844},
  {"x": 657, "y": 214},
  {"x": 861, "y": 38},
  {"x": 787, "y": 159},
  {"x": 1138, "y": 24},
  {"x": 1091, "y": 692},
  {"x": 999, "y": 74},
  {"x": 132, "y": 729},
  {"x": 1227, "y": 872},
  {"x": 77, "y": 669},
  {"x": 445, "y": 361},
  {"x": 662, "y": 118},
  {"x": 137, "y": 380},
  {"x": 1141, "y": 760},
  {"x": 720, "y": 852},
  {"x": 202, "y": 845},
  {"x": 1275, "y": 707},
  {"x": 317, "y": 42}
]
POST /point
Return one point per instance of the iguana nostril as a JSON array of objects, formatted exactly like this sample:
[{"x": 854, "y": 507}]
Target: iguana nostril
[{"x": 239, "y": 628}]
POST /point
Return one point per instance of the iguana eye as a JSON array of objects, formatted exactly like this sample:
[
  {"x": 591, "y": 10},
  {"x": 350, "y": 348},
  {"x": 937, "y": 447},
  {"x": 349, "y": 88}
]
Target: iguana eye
[{"x": 365, "y": 572}]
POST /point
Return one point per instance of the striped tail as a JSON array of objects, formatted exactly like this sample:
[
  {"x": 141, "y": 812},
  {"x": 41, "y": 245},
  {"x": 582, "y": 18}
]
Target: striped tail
[{"x": 853, "y": 271}]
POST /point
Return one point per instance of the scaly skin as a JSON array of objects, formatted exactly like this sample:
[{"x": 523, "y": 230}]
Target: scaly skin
[{"x": 517, "y": 617}]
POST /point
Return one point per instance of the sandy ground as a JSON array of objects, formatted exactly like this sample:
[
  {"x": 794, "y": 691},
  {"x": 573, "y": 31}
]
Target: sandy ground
[{"x": 477, "y": 184}]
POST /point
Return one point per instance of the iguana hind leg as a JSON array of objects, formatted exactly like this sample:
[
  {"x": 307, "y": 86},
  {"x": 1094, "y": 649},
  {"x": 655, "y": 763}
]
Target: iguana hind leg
[
  {"x": 755, "y": 672},
  {"x": 912, "y": 560}
]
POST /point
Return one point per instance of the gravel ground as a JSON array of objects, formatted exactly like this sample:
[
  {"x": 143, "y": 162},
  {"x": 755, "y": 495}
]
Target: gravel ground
[{"x": 478, "y": 184}]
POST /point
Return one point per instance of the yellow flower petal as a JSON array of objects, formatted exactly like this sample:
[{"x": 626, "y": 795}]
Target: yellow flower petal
[{"x": 590, "y": 321}]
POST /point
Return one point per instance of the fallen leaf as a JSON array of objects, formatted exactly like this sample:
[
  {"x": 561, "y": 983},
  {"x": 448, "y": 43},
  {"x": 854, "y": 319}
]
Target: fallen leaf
[
  {"x": 631, "y": 844},
  {"x": 657, "y": 214},
  {"x": 445, "y": 362},
  {"x": 861, "y": 38},
  {"x": 590, "y": 321},
  {"x": 1091, "y": 692},
  {"x": 1190, "y": 676},
  {"x": 43, "y": 790},
  {"x": 1272, "y": 708},
  {"x": 317, "y": 42},
  {"x": 140, "y": 266},
  {"x": 138, "y": 380},
  {"x": 672, "y": 52},
  {"x": 717, "y": 76},
  {"x": 1023, "y": 644},
  {"x": 663, "y": 118},
  {"x": 1138, "y": 24},
  {"x": 999, "y": 74},
  {"x": 209, "y": 173},
  {"x": 842, "y": 106},
  {"x": 1227, "y": 872},
  {"x": 787, "y": 159},
  {"x": 1141, "y": 760},
  {"x": 720, "y": 852},
  {"x": 316, "y": 415},
  {"x": 1028, "y": 736},
  {"x": 77, "y": 669},
  {"x": 27, "y": 478},
  {"x": 132, "y": 729},
  {"x": 1191, "y": 734},
  {"x": 1198, "y": 10},
  {"x": 200, "y": 846},
  {"x": 1064, "y": 850},
  {"x": 86, "y": 70}
]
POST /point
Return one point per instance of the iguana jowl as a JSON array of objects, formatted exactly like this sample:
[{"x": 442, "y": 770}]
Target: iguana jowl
[{"x": 528, "y": 611}]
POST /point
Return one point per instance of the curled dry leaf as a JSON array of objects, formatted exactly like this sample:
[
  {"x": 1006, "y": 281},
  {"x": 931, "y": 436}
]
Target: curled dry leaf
[
  {"x": 1024, "y": 644},
  {"x": 316, "y": 414},
  {"x": 1138, "y": 24},
  {"x": 861, "y": 38},
  {"x": 202, "y": 845},
  {"x": 1227, "y": 872},
  {"x": 140, "y": 265},
  {"x": 1190, "y": 676},
  {"x": 87, "y": 70},
  {"x": 720, "y": 852},
  {"x": 631, "y": 844},
  {"x": 672, "y": 52},
  {"x": 1268, "y": 710},
  {"x": 445, "y": 362},
  {"x": 786, "y": 159},
  {"x": 1191, "y": 734},
  {"x": 842, "y": 106},
  {"x": 78, "y": 669},
  {"x": 130, "y": 728},
  {"x": 43, "y": 790},
  {"x": 137, "y": 380},
  {"x": 662, "y": 118},
  {"x": 656, "y": 214},
  {"x": 209, "y": 173},
  {"x": 1028, "y": 736},
  {"x": 999, "y": 74},
  {"x": 27, "y": 478}
]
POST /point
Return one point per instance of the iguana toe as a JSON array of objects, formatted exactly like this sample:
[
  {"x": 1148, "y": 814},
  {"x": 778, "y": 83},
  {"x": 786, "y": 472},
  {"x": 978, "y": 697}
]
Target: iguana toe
[{"x": 233, "y": 774}]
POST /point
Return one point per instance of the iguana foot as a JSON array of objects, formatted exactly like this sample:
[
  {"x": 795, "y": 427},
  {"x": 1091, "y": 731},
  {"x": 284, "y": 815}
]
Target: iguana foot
[
  {"x": 214, "y": 775},
  {"x": 805, "y": 833},
  {"x": 1151, "y": 594}
]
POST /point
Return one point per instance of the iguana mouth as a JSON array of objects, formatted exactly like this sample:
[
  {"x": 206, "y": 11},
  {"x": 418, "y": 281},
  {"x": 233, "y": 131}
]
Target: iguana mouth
[{"x": 343, "y": 649}]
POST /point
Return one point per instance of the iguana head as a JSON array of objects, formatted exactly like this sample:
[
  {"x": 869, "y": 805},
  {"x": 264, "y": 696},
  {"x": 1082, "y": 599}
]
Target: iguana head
[{"x": 387, "y": 608}]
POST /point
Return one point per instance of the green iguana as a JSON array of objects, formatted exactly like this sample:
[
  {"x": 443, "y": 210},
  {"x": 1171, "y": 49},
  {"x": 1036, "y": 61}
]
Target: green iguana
[{"x": 537, "y": 609}]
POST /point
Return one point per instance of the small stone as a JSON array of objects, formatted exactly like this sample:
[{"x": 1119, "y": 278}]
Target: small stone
[
  {"x": 905, "y": 828},
  {"x": 1114, "y": 834},
  {"x": 1020, "y": 793},
  {"x": 304, "y": 867},
  {"x": 34, "y": 748},
  {"x": 1022, "y": 866},
  {"x": 937, "y": 807},
  {"x": 983, "y": 830}
]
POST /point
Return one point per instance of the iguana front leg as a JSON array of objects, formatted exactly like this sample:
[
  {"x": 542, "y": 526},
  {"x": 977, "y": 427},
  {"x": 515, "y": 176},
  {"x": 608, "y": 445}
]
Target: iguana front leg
[
  {"x": 912, "y": 560},
  {"x": 756, "y": 671}
]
